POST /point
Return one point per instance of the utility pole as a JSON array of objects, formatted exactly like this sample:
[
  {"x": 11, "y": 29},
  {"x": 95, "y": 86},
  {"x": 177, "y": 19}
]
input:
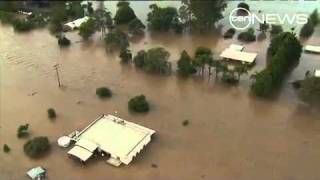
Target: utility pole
[{"x": 56, "y": 67}]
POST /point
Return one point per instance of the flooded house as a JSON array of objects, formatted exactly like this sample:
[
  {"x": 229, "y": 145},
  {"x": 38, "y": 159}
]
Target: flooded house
[
  {"x": 235, "y": 53},
  {"x": 111, "y": 136}
]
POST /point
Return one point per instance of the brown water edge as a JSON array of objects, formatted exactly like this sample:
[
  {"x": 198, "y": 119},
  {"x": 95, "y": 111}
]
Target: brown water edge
[{"x": 231, "y": 134}]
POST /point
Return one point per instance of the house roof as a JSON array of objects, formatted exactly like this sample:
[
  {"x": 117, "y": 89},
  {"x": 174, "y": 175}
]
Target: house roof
[
  {"x": 35, "y": 172},
  {"x": 238, "y": 55},
  {"x": 80, "y": 153},
  {"x": 121, "y": 139}
]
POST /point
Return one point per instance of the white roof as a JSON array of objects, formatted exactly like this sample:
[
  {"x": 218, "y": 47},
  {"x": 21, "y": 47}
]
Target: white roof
[
  {"x": 89, "y": 145},
  {"x": 80, "y": 152},
  {"x": 236, "y": 47},
  {"x": 120, "y": 138},
  {"x": 35, "y": 172},
  {"x": 239, "y": 55},
  {"x": 77, "y": 22},
  {"x": 317, "y": 73},
  {"x": 311, "y": 48}
]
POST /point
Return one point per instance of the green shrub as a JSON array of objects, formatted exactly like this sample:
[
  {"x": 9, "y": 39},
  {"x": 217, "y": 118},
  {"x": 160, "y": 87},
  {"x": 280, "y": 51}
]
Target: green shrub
[
  {"x": 247, "y": 36},
  {"x": 103, "y": 92},
  {"x": 229, "y": 33},
  {"x": 125, "y": 55},
  {"x": 63, "y": 41},
  {"x": 22, "y": 131},
  {"x": 36, "y": 147},
  {"x": 22, "y": 25},
  {"x": 138, "y": 104},
  {"x": 136, "y": 27},
  {"x": 6, "y": 148},
  {"x": 51, "y": 113}
]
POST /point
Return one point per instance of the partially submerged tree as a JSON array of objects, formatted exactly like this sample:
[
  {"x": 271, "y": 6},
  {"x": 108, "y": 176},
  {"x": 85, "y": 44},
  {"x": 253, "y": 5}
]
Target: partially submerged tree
[
  {"x": 229, "y": 33},
  {"x": 22, "y": 131},
  {"x": 63, "y": 41},
  {"x": 136, "y": 27},
  {"x": 116, "y": 39},
  {"x": 125, "y": 13},
  {"x": 23, "y": 25},
  {"x": 87, "y": 28},
  {"x": 307, "y": 29},
  {"x": 103, "y": 92},
  {"x": 247, "y": 36},
  {"x": 140, "y": 58},
  {"x": 36, "y": 147},
  {"x": 6, "y": 148},
  {"x": 310, "y": 90},
  {"x": 138, "y": 104},
  {"x": 185, "y": 66},
  {"x": 162, "y": 19},
  {"x": 125, "y": 55},
  {"x": 204, "y": 14},
  {"x": 51, "y": 113}
]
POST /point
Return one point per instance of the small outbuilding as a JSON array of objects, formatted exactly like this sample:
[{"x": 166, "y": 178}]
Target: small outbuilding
[{"x": 110, "y": 135}]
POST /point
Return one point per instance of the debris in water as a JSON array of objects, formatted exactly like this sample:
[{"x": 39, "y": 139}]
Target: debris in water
[
  {"x": 185, "y": 122},
  {"x": 154, "y": 166}
]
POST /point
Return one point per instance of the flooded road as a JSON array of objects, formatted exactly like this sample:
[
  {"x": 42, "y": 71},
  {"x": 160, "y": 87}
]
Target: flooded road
[{"x": 231, "y": 135}]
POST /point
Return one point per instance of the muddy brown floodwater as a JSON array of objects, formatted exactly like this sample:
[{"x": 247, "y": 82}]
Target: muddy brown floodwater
[{"x": 231, "y": 135}]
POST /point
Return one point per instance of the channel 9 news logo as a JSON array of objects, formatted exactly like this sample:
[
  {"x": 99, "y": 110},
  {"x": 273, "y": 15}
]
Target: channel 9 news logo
[{"x": 242, "y": 22}]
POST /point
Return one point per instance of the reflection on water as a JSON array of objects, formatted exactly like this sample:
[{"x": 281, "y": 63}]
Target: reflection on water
[{"x": 231, "y": 134}]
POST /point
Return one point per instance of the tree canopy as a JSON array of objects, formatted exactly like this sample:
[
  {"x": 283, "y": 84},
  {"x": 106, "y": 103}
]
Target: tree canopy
[
  {"x": 185, "y": 66},
  {"x": 136, "y": 27},
  {"x": 87, "y": 28},
  {"x": 116, "y": 39},
  {"x": 36, "y": 147},
  {"x": 204, "y": 14},
  {"x": 162, "y": 18},
  {"x": 138, "y": 104},
  {"x": 125, "y": 13}
]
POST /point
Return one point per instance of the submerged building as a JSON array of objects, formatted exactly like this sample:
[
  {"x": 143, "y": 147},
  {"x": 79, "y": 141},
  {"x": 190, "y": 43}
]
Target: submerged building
[{"x": 111, "y": 136}]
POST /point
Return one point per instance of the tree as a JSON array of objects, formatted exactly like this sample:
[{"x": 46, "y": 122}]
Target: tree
[
  {"x": 247, "y": 36},
  {"x": 263, "y": 84},
  {"x": 125, "y": 55},
  {"x": 240, "y": 70},
  {"x": 74, "y": 9},
  {"x": 103, "y": 92},
  {"x": 51, "y": 113},
  {"x": 136, "y": 27},
  {"x": 229, "y": 33},
  {"x": 124, "y": 14},
  {"x": 6, "y": 148},
  {"x": 204, "y": 13},
  {"x": 22, "y": 131},
  {"x": 314, "y": 17},
  {"x": 36, "y": 147},
  {"x": 185, "y": 66},
  {"x": 307, "y": 29},
  {"x": 264, "y": 26},
  {"x": 162, "y": 19},
  {"x": 63, "y": 41},
  {"x": 276, "y": 29},
  {"x": 116, "y": 39},
  {"x": 202, "y": 57},
  {"x": 156, "y": 61},
  {"x": 244, "y": 6},
  {"x": 102, "y": 18},
  {"x": 140, "y": 58},
  {"x": 23, "y": 25},
  {"x": 87, "y": 28},
  {"x": 138, "y": 104},
  {"x": 310, "y": 90},
  {"x": 58, "y": 15}
]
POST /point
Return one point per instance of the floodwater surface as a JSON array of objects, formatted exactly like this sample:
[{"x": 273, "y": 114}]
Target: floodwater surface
[{"x": 231, "y": 135}]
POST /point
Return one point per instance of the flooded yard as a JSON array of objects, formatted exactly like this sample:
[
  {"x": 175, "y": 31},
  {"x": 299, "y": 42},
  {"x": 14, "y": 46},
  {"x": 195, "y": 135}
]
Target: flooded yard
[{"x": 231, "y": 134}]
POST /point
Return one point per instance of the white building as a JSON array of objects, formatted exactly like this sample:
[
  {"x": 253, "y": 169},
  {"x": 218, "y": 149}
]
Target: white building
[
  {"x": 238, "y": 55},
  {"x": 313, "y": 49},
  {"x": 75, "y": 24},
  {"x": 121, "y": 139}
]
